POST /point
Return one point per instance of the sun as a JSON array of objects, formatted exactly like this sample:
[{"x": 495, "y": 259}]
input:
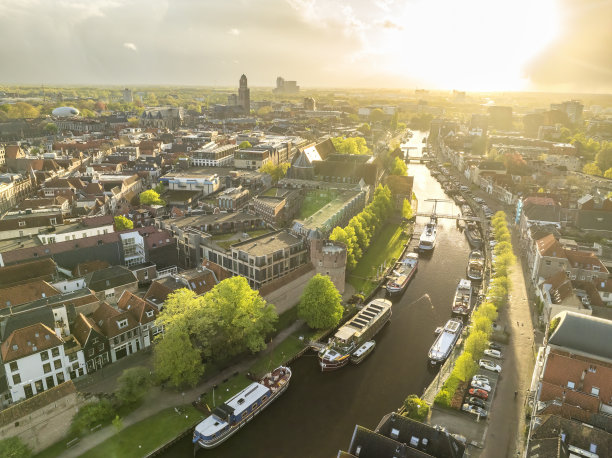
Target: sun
[{"x": 470, "y": 45}]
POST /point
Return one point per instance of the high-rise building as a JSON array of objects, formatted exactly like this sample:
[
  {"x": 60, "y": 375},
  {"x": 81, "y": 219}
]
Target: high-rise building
[
  {"x": 244, "y": 95},
  {"x": 572, "y": 108},
  {"x": 310, "y": 104},
  {"x": 286, "y": 87},
  {"x": 128, "y": 97}
]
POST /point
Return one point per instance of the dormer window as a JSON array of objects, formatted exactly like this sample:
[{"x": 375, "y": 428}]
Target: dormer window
[
  {"x": 122, "y": 324},
  {"x": 15, "y": 347},
  {"x": 149, "y": 313}
]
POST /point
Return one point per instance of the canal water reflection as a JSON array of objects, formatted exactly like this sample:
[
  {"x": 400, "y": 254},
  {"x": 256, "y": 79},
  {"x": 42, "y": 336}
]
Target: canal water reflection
[{"x": 317, "y": 414}]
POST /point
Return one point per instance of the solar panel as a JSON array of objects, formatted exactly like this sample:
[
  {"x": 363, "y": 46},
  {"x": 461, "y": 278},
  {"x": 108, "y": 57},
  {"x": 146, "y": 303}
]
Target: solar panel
[
  {"x": 369, "y": 314},
  {"x": 358, "y": 326},
  {"x": 378, "y": 307},
  {"x": 363, "y": 322}
]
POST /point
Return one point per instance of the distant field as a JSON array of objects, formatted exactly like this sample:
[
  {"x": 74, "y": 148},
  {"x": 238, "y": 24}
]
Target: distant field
[{"x": 313, "y": 202}]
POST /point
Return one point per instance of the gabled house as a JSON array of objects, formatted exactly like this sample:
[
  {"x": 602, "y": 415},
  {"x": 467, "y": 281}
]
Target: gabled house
[
  {"x": 96, "y": 349},
  {"x": 540, "y": 211},
  {"x": 121, "y": 330},
  {"x": 17, "y": 295},
  {"x": 144, "y": 313},
  {"x": 34, "y": 361},
  {"x": 108, "y": 284},
  {"x": 557, "y": 293}
]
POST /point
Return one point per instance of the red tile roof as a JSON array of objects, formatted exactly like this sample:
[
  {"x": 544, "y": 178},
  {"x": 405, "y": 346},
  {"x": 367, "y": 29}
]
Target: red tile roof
[
  {"x": 27, "y": 292},
  {"x": 137, "y": 307},
  {"x": 108, "y": 319},
  {"x": 27, "y": 341}
]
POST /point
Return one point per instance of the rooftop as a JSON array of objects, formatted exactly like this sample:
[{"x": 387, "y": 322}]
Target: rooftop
[
  {"x": 267, "y": 243},
  {"x": 583, "y": 334}
]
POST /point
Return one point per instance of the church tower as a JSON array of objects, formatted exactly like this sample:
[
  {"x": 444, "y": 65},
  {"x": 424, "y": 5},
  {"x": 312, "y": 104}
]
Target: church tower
[{"x": 244, "y": 95}]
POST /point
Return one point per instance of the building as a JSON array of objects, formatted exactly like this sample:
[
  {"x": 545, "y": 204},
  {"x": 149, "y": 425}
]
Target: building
[
  {"x": 573, "y": 373},
  {"x": 162, "y": 117},
  {"x": 204, "y": 183},
  {"x": 244, "y": 95},
  {"x": 128, "y": 96},
  {"x": 310, "y": 104},
  {"x": 13, "y": 189},
  {"x": 572, "y": 108},
  {"x": 143, "y": 313},
  {"x": 110, "y": 283},
  {"x": 329, "y": 258},
  {"x": 93, "y": 341},
  {"x": 233, "y": 199},
  {"x": 277, "y": 206},
  {"x": 286, "y": 87},
  {"x": 261, "y": 259},
  {"x": 121, "y": 330},
  {"x": 213, "y": 155}
]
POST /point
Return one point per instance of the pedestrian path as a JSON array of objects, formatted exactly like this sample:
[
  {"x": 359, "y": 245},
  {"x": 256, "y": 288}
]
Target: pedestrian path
[{"x": 158, "y": 399}]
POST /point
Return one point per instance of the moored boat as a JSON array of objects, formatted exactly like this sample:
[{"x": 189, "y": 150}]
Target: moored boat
[
  {"x": 475, "y": 267},
  {"x": 444, "y": 343},
  {"x": 362, "y": 352},
  {"x": 403, "y": 271},
  {"x": 427, "y": 242},
  {"x": 463, "y": 298},
  {"x": 361, "y": 328},
  {"x": 227, "y": 418},
  {"x": 472, "y": 233}
]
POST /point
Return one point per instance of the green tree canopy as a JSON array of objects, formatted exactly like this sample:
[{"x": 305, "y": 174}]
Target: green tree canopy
[
  {"x": 91, "y": 415},
  {"x": 50, "y": 128},
  {"x": 377, "y": 115},
  {"x": 14, "y": 447},
  {"x": 133, "y": 384},
  {"x": 150, "y": 197},
  {"x": 465, "y": 366},
  {"x": 592, "y": 169},
  {"x": 340, "y": 235},
  {"x": 321, "y": 304},
  {"x": 244, "y": 145},
  {"x": 122, "y": 223},
  {"x": 399, "y": 167},
  {"x": 608, "y": 173},
  {"x": 604, "y": 156},
  {"x": 476, "y": 343},
  {"x": 351, "y": 145},
  {"x": 176, "y": 360},
  {"x": 415, "y": 408},
  {"x": 407, "y": 209},
  {"x": 276, "y": 172}
]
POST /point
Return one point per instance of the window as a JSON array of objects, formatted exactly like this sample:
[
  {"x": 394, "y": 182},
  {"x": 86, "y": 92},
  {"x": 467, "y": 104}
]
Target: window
[
  {"x": 57, "y": 364},
  {"x": 149, "y": 313},
  {"x": 73, "y": 357},
  {"x": 595, "y": 391},
  {"x": 44, "y": 356},
  {"x": 21, "y": 223},
  {"x": 16, "y": 379},
  {"x": 14, "y": 366},
  {"x": 60, "y": 377},
  {"x": 52, "y": 221},
  {"x": 593, "y": 369},
  {"x": 571, "y": 385},
  {"x": 55, "y": 352},
  {"x": 91, "y": 352},
  {"x": 122, "y": 324},
  {"x": 47, "y": 367},
  {"x": 100, "y": 347}
]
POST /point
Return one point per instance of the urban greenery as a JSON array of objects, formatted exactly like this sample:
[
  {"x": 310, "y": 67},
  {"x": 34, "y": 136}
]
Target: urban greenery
[
  {"x": 150, "y": 197},
  {"x": 122, "y": 223},
  {"x": 133, "y": 385},
  {"x": 415, "y": 408},
  {"x": 321, "y": 304},
  {"x": 351, "y": 145},
  {"x": 399, "y": 167},
  {"x": 276, "y": 172},
  {"x": 314, "y": 201},
  {"x": 230, "y": 319},
  {"x": 90, "y": 415},
  {"x": 14, "y": 447}
]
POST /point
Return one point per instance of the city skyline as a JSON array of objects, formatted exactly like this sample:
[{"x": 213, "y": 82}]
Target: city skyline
[{"x": 553, "y": 45}]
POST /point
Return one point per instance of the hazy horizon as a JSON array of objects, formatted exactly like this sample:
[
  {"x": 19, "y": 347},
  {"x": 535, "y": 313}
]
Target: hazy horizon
[{"x": 556, "y": 46}]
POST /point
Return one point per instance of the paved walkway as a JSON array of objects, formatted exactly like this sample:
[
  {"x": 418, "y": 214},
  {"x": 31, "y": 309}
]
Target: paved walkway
[
  {"x": 158, "y": 399},
  {"x": 507, "y": 417}
]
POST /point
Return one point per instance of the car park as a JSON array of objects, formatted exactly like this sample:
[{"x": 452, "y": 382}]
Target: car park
[
  {"x": 480, "y": 385},
  {"x": 493, "y": 353},
  {"x": 473, "y": 400},
  {"x": 474, "y": 410},
  {"x": 490, "y": 366},
  {"x": 482, "y": 394},
  {"x": 479, "y": 200},
  {"x": 495, "y": 346},
  {"x": 482, "y": 378}
]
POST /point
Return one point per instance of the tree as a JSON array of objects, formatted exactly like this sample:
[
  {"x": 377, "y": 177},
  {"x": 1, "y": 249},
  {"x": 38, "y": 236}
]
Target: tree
[
  {"x": 340, "y": 235},
  {"x": 159, "y": 188},
  {"x": 393, "y": 124},
  {"x": 365, "y": 129},
  {"x": 515, "y": 164},
  {"x": 608, "y": 173},
  {"x": 377, "y": 115},
  {"x": 264, "y": 111},
  {"x": 14, "y": 447},
  {"x": 399, "y": 167},
  {"x": 476, "y": 343},
  {"x": 482, "y": 323},
  {"x": 363, "y": 239},
  {"x": 592, "y": 169},
  {"x": 117, "y": 423},
  {"x": 604, "y": 156},
  {"x": 244, "y": 145},
  {"x": 176, "y": 360},
  {"x": 351, "y": 145},
  {"x": 150, "y": 197},
  {"x": 122, "y": 223},
  {"x": 276, "y": 172},
  {"x": 50, "y": 128},
  {"x": 487, "y": 310},
  {"x": 321, "y": 304},
  {"x": 407, "y": 209},
  {"x": 465, "y": 366},
  {"x": 415, "y": 408},
  {"x": 91, "y": 415},
  {"x": 133, "y": 385}
]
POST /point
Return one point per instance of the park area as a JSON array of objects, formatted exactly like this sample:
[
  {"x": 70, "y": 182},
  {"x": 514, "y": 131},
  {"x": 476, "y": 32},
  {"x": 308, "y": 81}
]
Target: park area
[
  {"x": 386, "y": 249},
  {"x": 315, "y": 201}
]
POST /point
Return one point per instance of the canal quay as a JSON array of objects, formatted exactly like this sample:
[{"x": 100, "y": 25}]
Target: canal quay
[{"x": 318, "y": 413}]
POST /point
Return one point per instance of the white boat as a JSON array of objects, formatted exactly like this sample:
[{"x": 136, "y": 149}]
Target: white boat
[
  {"x": 362, "y": 352},
  {"x": 475, "y": 265},
  {"x": 427, "y": 242},
  {"x": 445, "y": 341},
  {"x": 227, "y": 418},
  {"x": 402, "y": 273},
  {"x": 462, "y": 301}
]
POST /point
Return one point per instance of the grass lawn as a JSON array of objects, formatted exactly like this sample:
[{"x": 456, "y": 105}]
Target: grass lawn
[
  {"x": 225, "y": 390},
  {"x": 150, "y": 434},
  {"x": 55, "y": 450},
  {"x": 387, "y": 246},
  {"x": 313, "y": 202},
  {"x": 286, "y": 319},
  {"x": 284, "y": 351}
]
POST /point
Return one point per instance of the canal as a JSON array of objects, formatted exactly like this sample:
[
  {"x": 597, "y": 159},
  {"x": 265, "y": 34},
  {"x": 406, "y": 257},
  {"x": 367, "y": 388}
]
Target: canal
[{"x": 317, "y": 414}]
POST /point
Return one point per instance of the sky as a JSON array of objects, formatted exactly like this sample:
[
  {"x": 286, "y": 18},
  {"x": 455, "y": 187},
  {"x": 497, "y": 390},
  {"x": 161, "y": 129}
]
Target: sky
[{"x": 473, "y": 45}]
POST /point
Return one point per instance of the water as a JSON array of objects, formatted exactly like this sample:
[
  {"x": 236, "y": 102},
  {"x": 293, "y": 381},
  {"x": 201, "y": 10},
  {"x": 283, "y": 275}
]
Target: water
[{"x": 318, "y": 413}]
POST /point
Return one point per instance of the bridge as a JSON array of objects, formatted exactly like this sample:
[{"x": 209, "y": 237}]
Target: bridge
[
  {"x": 452, "y": 216},
  {"x": 419, "y": 159}
]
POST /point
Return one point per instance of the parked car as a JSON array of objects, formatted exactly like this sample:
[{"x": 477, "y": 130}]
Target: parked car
[
  {"x": 479, "y": 200},
  {"x": 480, "y": 385},
  {"x": 473, "y": 400},
  {"x": 474, "y": 409},
  {"x": 460, "y": 438},
  {"x": 482, "y": 378},
  {"x": 489, "y": 365},
  {"x": 482, "y": 394},
  {"x": 495, "y": 346},
  {"x": 493, "y": 353}
]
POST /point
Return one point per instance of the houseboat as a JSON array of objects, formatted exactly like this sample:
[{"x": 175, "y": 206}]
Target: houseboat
[
  {"x": 445, "y": 342},
  {"x": 475, "y": 267},
  {"x": 403, "y": 271},
  {"x": 361, "y": 328},
  {"x": 463, "y": 298},
  {"x": 227, "y": 418},
  {"x": 472, "y": 233},
  {"x": 427, "y": 242},
  {"x": 362, "y": 352}
]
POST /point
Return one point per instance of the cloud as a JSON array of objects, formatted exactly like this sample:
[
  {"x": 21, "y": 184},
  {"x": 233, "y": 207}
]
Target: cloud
[
  {"x": 234, "y": 32},
  {"x": 130, "y": 46},
  {"x": 388, "y": 24}
]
